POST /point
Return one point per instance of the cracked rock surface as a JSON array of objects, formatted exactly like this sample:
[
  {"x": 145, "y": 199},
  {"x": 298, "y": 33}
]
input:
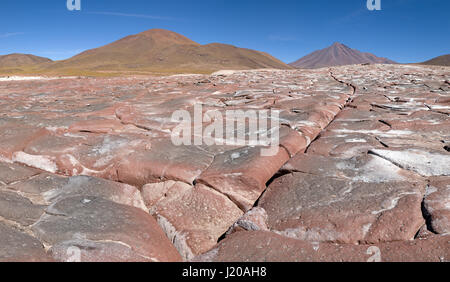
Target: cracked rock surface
[{"x": 89, "y": 172}]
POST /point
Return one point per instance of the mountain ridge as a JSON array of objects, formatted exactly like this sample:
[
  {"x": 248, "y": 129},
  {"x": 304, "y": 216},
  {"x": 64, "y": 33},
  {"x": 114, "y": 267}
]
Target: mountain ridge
[
  {"x": 166, "y": 51},
  {"x": 443, "y": 60},
  {"x": 18, "y": 59}
]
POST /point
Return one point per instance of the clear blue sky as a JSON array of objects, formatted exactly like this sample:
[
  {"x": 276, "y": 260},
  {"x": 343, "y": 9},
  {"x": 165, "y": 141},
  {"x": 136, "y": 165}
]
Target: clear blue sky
[{"x": 405, "y": 30}]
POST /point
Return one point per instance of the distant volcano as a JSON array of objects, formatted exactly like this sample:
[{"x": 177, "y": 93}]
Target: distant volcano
[{"x": 338, "y": 55}]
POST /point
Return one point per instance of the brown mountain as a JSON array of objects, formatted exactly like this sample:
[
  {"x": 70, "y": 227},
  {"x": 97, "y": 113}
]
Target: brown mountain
[
  {"x": 439, "y": 61},
  {"x": 337, "y": 55},
  {"x": 160, "y": 50},
  {"x": 20, "y": 60}
]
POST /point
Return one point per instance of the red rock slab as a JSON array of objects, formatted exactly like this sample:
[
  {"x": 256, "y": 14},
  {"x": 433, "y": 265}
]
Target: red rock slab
[
  {"x": 443, "y": 100},
  {"x": 19, "y": 209},
  {"x": 422, "y": 161},
  {"x": 351, "y": 114},
  {"x": 261, "y": 246},
  {"x": 10, "y": 173},
  {"x": 318, "y": 208},
  {"x": 16, "y": 246},
  {"x": 97, "y": 126},
  {"x": 98, "y": 219},
  {"x": 437, "y": 204},
  {"x": 45, "y": 151},
  {"x": 311, "y": 132},
  {"x": 39, "y": 184},
  {"x": 80, "y": 250},
  {"x": 304, "y": 103},
  {"x": 421, "y": 121},
  {"x": 15, "y": 137},
  {"x": 296, "y": 117},
  {"x": 363, "y": 168},
  {"x": 293, "y": 141},
  {"x": 242, "y": 174},
  {"x": 253, "y": 220},
  {"x": 193, "y": 217},
  {"x": 444, "y": 109},
  {"x": 102, "y": 154},
  {"x": 164, "y": 161},
  {"x": 81, "y": 154},
  {"x": 343, "y": 145},
  {"x": 364, "y": 126},
  {"x": 96, "y": 187},
  {"x": 324, "y": 115}
]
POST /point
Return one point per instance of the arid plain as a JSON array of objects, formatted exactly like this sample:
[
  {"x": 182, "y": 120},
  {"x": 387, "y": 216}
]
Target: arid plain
[{"x": 89, "y": 170}]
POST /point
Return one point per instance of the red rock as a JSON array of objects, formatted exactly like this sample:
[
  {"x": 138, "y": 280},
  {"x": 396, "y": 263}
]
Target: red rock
[
  {"x": 14, "y": 138},
  {"x": 317, "y": 208},
  {"x": 192, "y": 217},
  {"x": 293, "y": 141},
  {"x": 16, "y": 246},
  {"x": 97, "y": 219},
  {"x": 95, "y": 187},
  {"x": 261, "y": 246},
  {"x": 437, "y": 204},
  {"x": 164, "y": 161},
  {"x": 14, "y": 207},
  {"x": 423, "y": 162},
  {"x": 97, "y": 126},
  {"x": 242, "y": 174},
  {"x": 364, "y": 168},
  {"x": 79, "y": 250},
  {"x": 10, "y": 173},
  {"x": 253, "y": 220}
]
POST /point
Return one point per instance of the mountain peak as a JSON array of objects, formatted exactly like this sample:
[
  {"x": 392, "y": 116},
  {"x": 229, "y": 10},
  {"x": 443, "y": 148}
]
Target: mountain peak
[
  {"x": 164, "y": 51},
  {"x": 339, "y": 45},
  {"x": 167, "y": 36},
  {"x": 338, "y": 54}
]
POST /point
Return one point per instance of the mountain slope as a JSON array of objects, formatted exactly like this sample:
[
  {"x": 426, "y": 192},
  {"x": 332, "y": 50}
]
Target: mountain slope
[
  {"x": 159, "y": 50},
  {"x": 20, "y": 60},
  {"x": 438, "y": 61},
  {"x": 337, "y": 55}
]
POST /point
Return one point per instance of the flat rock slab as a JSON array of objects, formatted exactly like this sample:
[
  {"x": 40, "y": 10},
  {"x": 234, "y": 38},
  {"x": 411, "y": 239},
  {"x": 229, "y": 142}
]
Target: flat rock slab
[
  {"x": 96, "y": 187},
  {"x": 83, "y": 250},
  {"x": 423, "y": 162},
  {"x": 263, "y": 246},
  {"x": 437, "y": 204},
  {"x": 97, "y": 219},
  {"x": 10, "y": 173},
  {"x": 242, "y": 174},
  {"x": 38, "y": 187},
  {"x": 193, "y": 217},
  {"x": 364, "y": 168},
  {"x": 16, "y": 246},
  {"x": 164, "y": 161},
  {"x": 318, "y": 208},
  {"x": 19, "y": 209}
]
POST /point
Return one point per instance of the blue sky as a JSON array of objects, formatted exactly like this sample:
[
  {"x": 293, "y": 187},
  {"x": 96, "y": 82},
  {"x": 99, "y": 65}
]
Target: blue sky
[{"x": 404, "y": 30}]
